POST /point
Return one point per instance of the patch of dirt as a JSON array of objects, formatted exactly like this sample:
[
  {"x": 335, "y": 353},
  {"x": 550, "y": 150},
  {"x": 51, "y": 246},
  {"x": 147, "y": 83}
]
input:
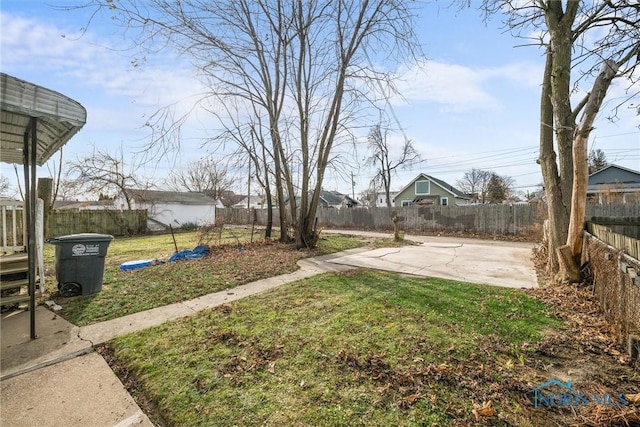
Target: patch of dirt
[{"x": 131, "y": 383}]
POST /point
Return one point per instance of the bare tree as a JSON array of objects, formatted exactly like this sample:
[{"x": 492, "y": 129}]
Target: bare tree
[
  {"x": 475, "y": 183},
  {"x": 20, "y": 192},
  {"x": 5, "y": 187},
  {"x": 369, "y": 196},
  {"x": 302, "y": 65},
  {"x": 386, "y": 163},
  {"x": 55, "y": 170},
  {"x": 250, "y": 135},
  {"x": 587, "y": 45},
  {"x": 68, "y": 188},
  {"x": 102, "y": 172},
  {"x": 208, "y": 175}
]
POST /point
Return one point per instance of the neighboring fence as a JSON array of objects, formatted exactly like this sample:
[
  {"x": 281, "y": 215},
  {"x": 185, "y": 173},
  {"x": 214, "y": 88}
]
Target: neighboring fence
[
  {"x": 115, "y": 222},
  {"x": 613, "y": 210},
  {"x": 486, "y": 219},
  {"x": 627, "y": 226},
  {"x": 616, "y": 281},
  {"x": 622, "y": 242}
]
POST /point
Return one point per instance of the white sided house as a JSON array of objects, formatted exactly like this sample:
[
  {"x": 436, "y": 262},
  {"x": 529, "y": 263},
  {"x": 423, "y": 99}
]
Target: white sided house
[{"x": 173, "y": 208}]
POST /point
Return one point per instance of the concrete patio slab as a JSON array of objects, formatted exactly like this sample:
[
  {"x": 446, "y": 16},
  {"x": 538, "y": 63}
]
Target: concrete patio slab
[{"x": 506, "y": 264}]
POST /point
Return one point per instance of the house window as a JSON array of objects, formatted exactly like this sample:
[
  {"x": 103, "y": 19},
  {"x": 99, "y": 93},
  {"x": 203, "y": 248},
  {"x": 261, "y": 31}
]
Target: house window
[
  {"x": 444, "y": 201},
  {"x": 405, "y": 203},
  {"x": 422, "y": 187}
]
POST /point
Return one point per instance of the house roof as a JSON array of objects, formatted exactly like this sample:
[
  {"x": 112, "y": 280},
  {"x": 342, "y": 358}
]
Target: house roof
[
  {"x": 76, "y": 204},
  {"x": 335, "y": 197},
  {"x": 440, "y": 183},
  {"x": 58, "y": 118},
  {"x": 631, "y": 176},
  {"x": 254, "y": 200},
  {"x": 185, "y": 198},
  {"x": 332, "y": 197}
]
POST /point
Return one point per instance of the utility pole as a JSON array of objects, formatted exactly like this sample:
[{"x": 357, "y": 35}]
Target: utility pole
[{"x": 353, "y": 187}]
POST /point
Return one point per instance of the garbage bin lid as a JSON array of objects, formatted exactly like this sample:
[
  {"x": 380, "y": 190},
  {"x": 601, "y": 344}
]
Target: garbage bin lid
[{"x": 82, "y": 237}]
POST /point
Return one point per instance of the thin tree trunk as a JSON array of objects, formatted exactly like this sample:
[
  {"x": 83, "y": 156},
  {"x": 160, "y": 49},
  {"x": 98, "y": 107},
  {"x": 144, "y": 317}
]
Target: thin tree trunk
[{"x": 580, "y": 156}]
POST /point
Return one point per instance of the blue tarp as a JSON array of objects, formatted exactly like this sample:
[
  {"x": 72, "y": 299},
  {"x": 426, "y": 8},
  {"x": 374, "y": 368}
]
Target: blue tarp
[
  {"x": 141, "y": 263},
  {"x": 197, "y": 252}
]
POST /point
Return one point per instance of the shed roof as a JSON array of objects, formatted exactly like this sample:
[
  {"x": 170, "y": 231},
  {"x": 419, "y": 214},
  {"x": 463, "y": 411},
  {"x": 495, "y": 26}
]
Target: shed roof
[
  {"x": 185, "y": 198},
  {"x": 59, "y": 118}
]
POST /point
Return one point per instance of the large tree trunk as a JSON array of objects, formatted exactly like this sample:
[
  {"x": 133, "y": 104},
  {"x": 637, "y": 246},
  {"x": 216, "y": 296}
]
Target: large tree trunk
[
  {"x": 557, "y": 119},
  {"x": 557, "y": 214}
]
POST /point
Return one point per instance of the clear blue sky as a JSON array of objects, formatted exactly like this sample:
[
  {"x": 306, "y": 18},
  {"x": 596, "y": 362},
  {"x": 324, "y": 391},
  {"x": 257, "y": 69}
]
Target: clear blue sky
[{"x": 473, "y": 105}]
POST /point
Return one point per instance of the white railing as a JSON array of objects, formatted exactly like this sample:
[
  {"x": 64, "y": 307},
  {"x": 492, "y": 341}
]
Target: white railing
[{"x": 14, "y": 229}]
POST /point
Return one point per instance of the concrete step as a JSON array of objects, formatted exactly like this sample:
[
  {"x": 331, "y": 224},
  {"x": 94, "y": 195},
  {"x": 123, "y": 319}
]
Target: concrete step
[
  {"x": 20, "y": 294},
  {"x": 17, "y": 257},
  {"x": 12, "y": 284},
  {"x": 14, "y": 299},
  {"x": 13, "y": 264}
]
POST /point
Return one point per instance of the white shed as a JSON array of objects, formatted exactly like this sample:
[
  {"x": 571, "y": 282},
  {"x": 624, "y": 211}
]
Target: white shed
[{"x": 171, "y": 207}]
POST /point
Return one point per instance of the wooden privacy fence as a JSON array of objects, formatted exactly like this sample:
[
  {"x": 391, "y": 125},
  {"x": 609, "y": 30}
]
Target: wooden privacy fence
[
  {"x": 621, "y": 242},
  {"x": 486, "y": 219},
  {"x": 108, "y": 221}
]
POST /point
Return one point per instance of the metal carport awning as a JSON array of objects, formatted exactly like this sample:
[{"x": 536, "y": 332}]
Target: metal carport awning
[
  {"x": 21, "y": 102},
  {"x": 35, "y": 123}
]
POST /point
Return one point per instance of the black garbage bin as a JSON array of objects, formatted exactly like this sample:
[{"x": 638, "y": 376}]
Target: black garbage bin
[{"x": 80, "y": 262}]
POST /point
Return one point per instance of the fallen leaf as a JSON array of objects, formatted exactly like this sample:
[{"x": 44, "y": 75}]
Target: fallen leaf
[
  {"x": 272, "y": 367},
  {"x": 484, "y": 410},
  {"x": 412, "y": 399},
  {"x": 633, "y": 398},
  {"x": 443, "y": 367},
  {"x": 384, "y": 389}
]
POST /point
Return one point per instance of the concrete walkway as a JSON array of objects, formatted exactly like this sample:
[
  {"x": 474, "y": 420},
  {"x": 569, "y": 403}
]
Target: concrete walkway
[{"x": 57, "y": 380}]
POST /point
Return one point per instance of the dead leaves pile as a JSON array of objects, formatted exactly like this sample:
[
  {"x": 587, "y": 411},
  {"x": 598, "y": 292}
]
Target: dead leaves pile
[
  {"x": 242, "y": 262},
  {"x": 404, "y": 386},
  {"x": 254, "y": 357},
  {"x": 588, "y": 350}
]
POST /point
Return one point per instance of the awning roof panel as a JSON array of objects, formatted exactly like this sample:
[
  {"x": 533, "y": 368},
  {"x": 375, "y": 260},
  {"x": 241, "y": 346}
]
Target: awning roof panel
[{"x": 59, "y": 118}]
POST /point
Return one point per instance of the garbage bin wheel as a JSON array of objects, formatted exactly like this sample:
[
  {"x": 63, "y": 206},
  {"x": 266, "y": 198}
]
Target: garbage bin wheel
[{"x": 69, "y": 289}]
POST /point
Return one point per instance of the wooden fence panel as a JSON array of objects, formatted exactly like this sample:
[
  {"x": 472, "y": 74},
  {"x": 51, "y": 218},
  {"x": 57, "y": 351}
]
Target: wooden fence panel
[
  {"x": 486, "y": 219},
  {"x": 619, "y": 241},
  {"x": 115, "y": 222},
  {"x": 518, "y": 219}
]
